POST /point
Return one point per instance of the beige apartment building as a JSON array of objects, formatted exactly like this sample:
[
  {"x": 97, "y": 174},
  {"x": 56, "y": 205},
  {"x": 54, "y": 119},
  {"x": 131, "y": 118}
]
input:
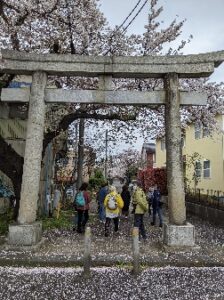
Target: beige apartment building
[{"x": 203, "y": 158}]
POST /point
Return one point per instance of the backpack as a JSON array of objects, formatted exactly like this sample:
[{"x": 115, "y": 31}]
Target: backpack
[
  {"x": 79, "y": 199},
  {"x": 112, "y": 203}
]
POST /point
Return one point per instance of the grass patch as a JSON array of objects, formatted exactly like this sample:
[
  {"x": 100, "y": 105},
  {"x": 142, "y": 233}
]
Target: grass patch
[{"x": 63, "y": 222}]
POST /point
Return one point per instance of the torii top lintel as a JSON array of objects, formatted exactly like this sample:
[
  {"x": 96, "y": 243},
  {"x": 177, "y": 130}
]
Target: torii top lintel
[{"x": 186, "y": 66}]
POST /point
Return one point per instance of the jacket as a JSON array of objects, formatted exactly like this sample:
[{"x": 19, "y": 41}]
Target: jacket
[
  {"x": 139, "y": 201},
  {"x": 102, "y": 194},
  {"x": 156, "y": 199},
  {"x": 120, "y": 203}
]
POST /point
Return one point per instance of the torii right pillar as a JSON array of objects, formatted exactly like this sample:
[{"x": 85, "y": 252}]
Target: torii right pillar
[{"x": 177, "y": 232}]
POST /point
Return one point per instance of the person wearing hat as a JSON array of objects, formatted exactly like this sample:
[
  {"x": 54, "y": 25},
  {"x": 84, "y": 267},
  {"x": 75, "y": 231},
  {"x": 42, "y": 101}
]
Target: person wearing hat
[
  {"x": 140, "y": 205},
  {"x": 113, "y": 204}
]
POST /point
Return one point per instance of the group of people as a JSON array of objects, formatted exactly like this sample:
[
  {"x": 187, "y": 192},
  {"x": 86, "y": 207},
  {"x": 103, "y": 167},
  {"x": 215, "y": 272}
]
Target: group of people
[{"x": 111, "y": 205}]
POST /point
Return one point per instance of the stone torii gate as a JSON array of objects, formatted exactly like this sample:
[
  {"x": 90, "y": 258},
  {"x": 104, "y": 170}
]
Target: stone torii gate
[{"x": 177, "y": 232}]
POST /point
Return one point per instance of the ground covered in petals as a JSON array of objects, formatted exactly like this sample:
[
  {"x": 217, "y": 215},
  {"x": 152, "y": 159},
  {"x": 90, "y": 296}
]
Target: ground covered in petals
[
  {"x": 55, "y": 271},
  {"x": 112, "y": 283}
]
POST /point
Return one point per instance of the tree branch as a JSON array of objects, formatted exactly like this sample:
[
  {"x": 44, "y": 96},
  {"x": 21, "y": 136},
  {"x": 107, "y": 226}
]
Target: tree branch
[{"x": 68, "y": 119}]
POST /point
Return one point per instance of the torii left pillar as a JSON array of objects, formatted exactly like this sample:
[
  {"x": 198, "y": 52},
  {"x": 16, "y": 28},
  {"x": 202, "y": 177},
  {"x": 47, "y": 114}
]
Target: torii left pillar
[{"x": 28, "y": 231}]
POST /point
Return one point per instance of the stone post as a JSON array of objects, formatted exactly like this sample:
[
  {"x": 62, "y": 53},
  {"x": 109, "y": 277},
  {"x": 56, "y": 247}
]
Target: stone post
[
  {"x": 87, "y": 252},
  {"x": 106, "y": 83},
  {"x": 175, "y": 182},
  {"x": 135, "y": 244},
  {"x": 177, "y": 232},
  {"x": 33, "y": 150}
]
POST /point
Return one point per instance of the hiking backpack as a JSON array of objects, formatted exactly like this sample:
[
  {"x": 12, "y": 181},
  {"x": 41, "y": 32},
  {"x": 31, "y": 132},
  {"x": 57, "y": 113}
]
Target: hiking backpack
[
  {"x": 79, "y": 199},
  {"x": 112, "y": 203}
]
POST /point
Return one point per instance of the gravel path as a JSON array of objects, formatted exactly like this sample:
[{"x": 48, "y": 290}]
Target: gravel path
[{"x": 112, "y": 284}]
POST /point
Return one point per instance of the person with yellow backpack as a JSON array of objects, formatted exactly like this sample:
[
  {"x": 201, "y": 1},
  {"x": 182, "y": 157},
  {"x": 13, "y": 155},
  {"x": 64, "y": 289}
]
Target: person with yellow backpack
[
  {"x": 113, "y": 204},
  {"x": 140, "y": 207}
]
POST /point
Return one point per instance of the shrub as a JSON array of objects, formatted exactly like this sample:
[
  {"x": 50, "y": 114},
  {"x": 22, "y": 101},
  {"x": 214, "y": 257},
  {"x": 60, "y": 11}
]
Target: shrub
[{"x": 154, "y": 176}]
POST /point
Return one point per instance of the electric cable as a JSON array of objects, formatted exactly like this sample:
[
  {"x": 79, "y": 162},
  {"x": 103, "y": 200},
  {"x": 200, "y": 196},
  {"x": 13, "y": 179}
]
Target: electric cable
[
  {"x": 129, "y": 15},
  {"x": 141, "y": 8},
  {"x": 132, "y": 20}
]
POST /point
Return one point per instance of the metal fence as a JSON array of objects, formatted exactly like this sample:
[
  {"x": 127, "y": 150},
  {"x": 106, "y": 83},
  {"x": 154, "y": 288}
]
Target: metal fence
[{"x": 214, "y": 199}]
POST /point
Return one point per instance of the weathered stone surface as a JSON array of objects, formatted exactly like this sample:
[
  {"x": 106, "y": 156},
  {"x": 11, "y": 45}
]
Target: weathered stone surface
[
  {"x": 106, "y": 83},
  {"x": 109, "y": 97},
  {"x": 175, "y": 182},
  {"x": 159, "y": 71},
  {"x": 216, "y": 56},
  {"x": 118, "y": 71},
  {"x": 179, "y": 235},
  {"x": 33, "y": 150},
  {"x": 143, "y": 67},
  {"x": 18, "y": 94},
  {"x": 25, "y": 235}
]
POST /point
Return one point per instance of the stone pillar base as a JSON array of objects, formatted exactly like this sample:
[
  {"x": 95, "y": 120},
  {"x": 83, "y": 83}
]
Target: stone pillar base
[
  {"x": 25, "y": 235},
  {"x": 179, "y": 235}
]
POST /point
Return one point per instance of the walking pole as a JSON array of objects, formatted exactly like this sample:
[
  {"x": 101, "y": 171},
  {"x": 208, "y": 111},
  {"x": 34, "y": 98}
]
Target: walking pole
[
  {"x": 87, "y": 250},
  {"x": 135, "y": 244}
]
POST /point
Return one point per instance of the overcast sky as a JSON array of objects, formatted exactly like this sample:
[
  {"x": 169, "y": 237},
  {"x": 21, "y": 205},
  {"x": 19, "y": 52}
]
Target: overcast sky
[{"x": 205, "y": 21}]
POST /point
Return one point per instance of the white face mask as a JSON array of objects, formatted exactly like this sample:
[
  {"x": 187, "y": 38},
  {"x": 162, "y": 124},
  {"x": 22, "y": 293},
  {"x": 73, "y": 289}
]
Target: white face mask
[{"x": 134, "y": 187}]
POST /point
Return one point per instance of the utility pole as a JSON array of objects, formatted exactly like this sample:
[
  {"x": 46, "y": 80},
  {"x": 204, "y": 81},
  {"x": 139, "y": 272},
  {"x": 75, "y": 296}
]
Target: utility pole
[
  {"x": 80, "y": 153},
  {"x": 106, "y": 140},
  {"x": 76, "y": 152}
]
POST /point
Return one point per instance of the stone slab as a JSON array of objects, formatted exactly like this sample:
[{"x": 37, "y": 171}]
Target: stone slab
[
  {"x": 179, "y": 235},
  {"x": 14, "y": 62},
  {"x": 18, "y": 94},
  {"x": 25, "y": 234},
  {"x": 107, "y": 97},
  {"x": 215, "y": 56},
  {"x": 117, "y": 71}
]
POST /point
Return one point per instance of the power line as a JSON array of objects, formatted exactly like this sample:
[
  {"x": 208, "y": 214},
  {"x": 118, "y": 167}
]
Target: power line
[
  {"x": 132, "y": 20},
  {"x": 119, "y": 27},
  {"x": 140, "y": 9},
  {"x": 129, "y": 15}
]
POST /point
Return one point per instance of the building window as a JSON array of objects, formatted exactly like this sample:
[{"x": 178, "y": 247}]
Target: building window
[
  {"x": 198, "y": 169},
  {"x": 197, "y": 131},
  {"x": 205, "y": 132},
  {"x": 163, "y": 144},
  {"x": 207, "y": 169}
]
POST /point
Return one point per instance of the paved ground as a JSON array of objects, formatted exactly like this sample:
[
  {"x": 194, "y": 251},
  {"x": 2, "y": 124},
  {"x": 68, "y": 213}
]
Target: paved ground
[{"x": 52, "y": 272}]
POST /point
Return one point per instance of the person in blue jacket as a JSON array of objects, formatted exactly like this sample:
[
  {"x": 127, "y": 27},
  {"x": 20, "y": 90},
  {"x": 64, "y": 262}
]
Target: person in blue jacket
[
  {"x": 101, "y": 196},
  {"x": 156, "y": 207}
]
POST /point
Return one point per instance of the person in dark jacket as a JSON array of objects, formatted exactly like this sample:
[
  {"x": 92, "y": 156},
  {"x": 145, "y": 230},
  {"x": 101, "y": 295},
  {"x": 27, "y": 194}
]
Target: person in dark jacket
[
  {"x": 126, "y": 196},
  {"x": 101, "y": 197},
  {"x": 83, "y": 211},
  {"x": 156, "y": 207}
]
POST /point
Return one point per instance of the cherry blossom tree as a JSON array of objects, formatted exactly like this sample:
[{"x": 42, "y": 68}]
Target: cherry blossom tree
[{"x": 79, "y": 27}]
